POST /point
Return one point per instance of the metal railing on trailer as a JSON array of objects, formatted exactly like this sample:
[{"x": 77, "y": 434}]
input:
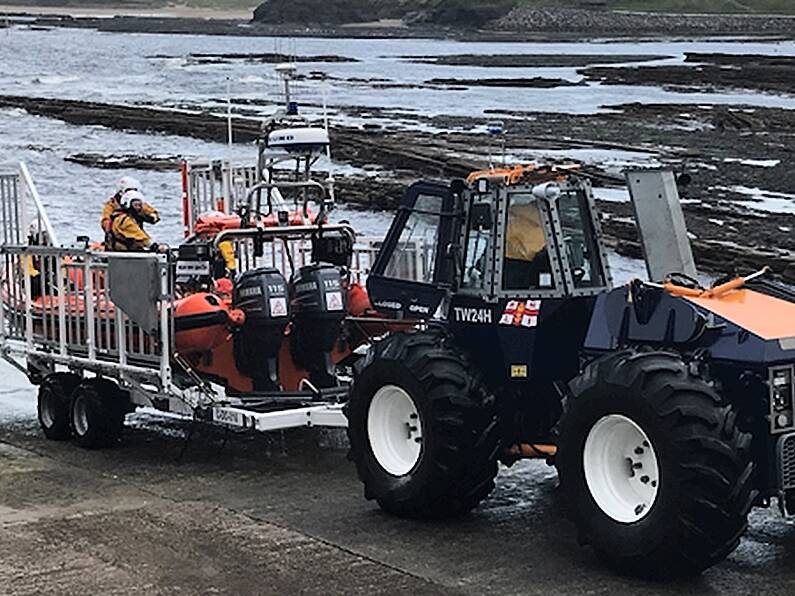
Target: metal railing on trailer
[
  {"x": 58, "y": 308},
  {"x": 21, "y": 210}
]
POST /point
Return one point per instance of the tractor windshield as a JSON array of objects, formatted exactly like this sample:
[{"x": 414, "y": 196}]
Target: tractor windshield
[
  {"x": 478, "y": 246},
  {"x": 579, "y": 241},
  {"x": 526, "y": 265}
]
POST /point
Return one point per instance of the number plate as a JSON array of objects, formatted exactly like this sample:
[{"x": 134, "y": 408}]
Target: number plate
[
  {"x": 228, "y": 417},
  {"x": 193, "y": 268}
]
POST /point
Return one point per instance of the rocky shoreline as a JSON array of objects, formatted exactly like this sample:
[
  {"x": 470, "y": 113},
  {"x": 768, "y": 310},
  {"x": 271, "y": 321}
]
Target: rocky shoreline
[
  {"x": 714, "y": 145},
  {"x": 705, "y": 72}
]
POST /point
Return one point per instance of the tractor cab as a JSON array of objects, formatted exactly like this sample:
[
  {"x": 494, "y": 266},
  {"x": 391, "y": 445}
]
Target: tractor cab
[
  {"x": 532, "y": 231},
  {"x": 506, "y": 258}
]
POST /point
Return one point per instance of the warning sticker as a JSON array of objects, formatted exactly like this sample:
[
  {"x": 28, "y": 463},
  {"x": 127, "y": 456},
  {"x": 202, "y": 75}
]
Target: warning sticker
[
  {"x": 278, "y": 307},
  {"x": 334, "y": 301},
  {"x": 520, "y": 313}
]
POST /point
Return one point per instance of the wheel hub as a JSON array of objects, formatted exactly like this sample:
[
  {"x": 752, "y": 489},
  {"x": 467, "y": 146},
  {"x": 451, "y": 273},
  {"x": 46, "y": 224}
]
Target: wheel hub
[
  {"x": 621, "y": 468},
  {"x": 394, "y": 430}
]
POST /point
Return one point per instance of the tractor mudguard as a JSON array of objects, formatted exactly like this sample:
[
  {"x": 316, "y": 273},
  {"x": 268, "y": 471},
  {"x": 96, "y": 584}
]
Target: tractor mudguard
[{"x": 646, "y": 315}]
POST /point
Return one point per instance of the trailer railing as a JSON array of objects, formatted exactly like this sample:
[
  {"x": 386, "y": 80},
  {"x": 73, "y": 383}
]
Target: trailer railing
[
  {"x": 22, "y": 214},
  {"x": 57, "y": 306}
]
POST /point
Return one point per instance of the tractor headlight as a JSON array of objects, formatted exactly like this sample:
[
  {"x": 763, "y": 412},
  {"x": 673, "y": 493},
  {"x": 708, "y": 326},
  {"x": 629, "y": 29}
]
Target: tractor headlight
[{"x": 781, "y": 396}]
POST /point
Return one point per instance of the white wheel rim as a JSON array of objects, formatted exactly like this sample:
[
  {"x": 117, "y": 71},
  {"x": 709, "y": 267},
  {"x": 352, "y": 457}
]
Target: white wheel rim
[
  {"x": 80, "y": 416},
  {"x": 394, "y": 429},
  {"x": 621, "y": 468}
]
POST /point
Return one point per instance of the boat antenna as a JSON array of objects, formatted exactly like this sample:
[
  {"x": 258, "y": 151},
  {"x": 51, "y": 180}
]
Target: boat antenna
[
  {"x": 330, "y": 178},
  {"x": 496, "y": 129},
  {"x": 286, "y": 71},
  {"x": 229, "y": 137},
  {"x": 325, "y": 118}
]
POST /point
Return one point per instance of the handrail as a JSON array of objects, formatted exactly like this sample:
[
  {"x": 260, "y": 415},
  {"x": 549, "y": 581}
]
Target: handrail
[
  {"x": 277, "y": 186},
  {"x": 283, "y": 233},
  {"x": 42, "y": 212}
]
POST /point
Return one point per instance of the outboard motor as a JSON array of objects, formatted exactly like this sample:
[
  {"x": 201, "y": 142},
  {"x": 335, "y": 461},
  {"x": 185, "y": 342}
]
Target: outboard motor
[
  {"x": 262, "y": 295},
  {"x": 318, "y": 302}
]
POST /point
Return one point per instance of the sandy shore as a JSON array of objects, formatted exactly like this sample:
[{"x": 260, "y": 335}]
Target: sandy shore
[{"x": 97, "y": 12}]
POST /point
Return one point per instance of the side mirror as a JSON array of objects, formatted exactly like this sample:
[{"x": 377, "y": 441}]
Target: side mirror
[
  {"x": 480, "y": 216},
  {"x": 684, "y": 179}
]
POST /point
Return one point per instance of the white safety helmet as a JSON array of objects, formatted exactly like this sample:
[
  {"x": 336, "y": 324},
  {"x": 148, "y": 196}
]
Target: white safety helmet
[
  {"x": 132, "y": 195},
  {"x": 127, "y": 183}
]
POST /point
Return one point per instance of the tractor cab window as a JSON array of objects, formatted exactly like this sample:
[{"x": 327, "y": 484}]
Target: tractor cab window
[
  {"x": 414, "y": 256},
  {"x": 526, "y": 263},
  {"x": 478, "y": 246},
  {"x": 579, "y": 241}
]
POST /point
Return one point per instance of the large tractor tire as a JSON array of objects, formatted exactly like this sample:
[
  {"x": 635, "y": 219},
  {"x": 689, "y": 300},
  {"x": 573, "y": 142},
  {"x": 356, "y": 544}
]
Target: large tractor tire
[
  {"x": 656, "y": 474},
  {"x": 97, "y": 413},
  {"x": 55, "y": 394},
  {"x": 422, "y": 427}
]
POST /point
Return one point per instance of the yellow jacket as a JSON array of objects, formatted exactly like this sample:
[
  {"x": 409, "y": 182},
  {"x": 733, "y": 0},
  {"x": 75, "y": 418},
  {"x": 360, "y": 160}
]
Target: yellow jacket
[
  {"x": 107, "y": 210},
  {"x": 227, "y": 251},
  {"x": 127, "y": 234},
  {"x": 149, "y": 213}
]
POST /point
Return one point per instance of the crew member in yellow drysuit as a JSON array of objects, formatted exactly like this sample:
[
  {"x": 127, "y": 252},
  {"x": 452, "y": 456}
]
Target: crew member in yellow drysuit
[
  {"x": 127, "y": 224},
  {"x": 227, "y": 263},
  {"x": 116, "y": 204}
]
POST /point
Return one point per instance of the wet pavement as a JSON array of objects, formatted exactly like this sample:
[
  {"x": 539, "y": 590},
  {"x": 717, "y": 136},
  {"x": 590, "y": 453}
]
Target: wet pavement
[{"x": 284, "y": 513}]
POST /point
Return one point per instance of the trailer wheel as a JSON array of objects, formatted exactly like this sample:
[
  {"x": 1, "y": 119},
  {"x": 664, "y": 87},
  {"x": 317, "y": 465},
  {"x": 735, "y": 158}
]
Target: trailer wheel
[
  {"x": 656, "y": 474},
  {"x": 422, "y": 427},
  {"x": 97, "y": 413},
  {"x": 55, "y": 393}
]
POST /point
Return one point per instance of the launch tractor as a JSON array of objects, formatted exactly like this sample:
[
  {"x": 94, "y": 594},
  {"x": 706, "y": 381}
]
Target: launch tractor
[{"x": 666, "y": 406}]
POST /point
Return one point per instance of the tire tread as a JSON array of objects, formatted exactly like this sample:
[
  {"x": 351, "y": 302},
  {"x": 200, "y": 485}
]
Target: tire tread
[
  {"x": 463, "y": 418},
  {"x": 715, "y": 470}
]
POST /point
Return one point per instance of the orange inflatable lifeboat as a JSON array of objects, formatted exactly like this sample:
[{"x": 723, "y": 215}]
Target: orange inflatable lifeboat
[
  {"x": 202, "y": 322},
  {"x": 214, "y": 222}
]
